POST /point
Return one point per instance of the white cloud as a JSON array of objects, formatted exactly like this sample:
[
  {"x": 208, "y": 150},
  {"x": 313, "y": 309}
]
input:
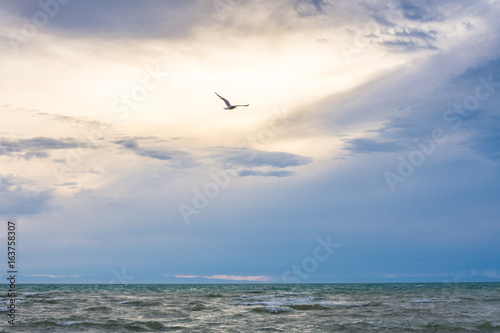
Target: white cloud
[{"x": 260, "y": 278}]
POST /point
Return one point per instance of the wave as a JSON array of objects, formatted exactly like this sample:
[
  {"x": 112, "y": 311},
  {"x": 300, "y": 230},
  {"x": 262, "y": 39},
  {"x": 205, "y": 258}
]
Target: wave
[
  {"x": 34, "y": 293},
  {"x": 48, "y": 301},
  {"x": 255, "y": 291},
  {"x": 112, "y": 325},
  {"x": 297, "y": 303},
  {"x": 489, "y": 325},
  {"x": 349, "y": 304},
  {"x": 297, "y": 293},
  {"x": 309, "y": 307},
  {"x": 196, "y": 306},
  {"x": 273, "y": 309},
  {"x": 435, "y": 300},
  {"x": 99, "y": 308},
  {"x": 151, "y": 325},
  {"x": 141, "y": 303},
  {"x": 271, "y": 300},
  {"x": 68, "y": 323}
]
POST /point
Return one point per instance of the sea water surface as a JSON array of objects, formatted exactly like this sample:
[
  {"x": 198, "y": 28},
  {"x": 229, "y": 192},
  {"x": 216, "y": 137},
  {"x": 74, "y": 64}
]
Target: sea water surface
[{"x": 442, "y": 307}]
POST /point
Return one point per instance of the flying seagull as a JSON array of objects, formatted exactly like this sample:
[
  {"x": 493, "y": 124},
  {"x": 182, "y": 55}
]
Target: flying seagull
[{"x": 229, "y": 106}]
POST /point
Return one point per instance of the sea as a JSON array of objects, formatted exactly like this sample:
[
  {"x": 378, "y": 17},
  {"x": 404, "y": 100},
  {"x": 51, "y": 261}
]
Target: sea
[{"x": 411, "y": 307}]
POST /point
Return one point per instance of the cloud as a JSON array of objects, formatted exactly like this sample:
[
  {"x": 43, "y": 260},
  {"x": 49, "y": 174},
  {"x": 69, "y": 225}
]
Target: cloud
[
  {"x": 250, "y": 162},
  {"x": 260, "y": 278},
  {"x": 306, "y": 8},
  {"x": 443, "y": 107},
  {"x": 408, "y": 10},
  {"x": 69, "y": 119},
  {"x": 53, "y": 276},
  {"x": 36, "y": 147},
  {"x": 130, "y": 17},
  {"x": 276, "y": 173},
  {"x": 257, "y": 158},
  {"x": 131, "y": 144},
  {"x": 487, "y": 140},
  {"x": 488, "y": 273},
  {"x": 410, "y": 26},
  {"x": 411, "y": 39},
  {"x": 417, "y": 33},
  {"x": 18, "y": 200},
  {"x": 414, "y": 12},
  {"x": 365, "y": 145},
  {"x": 178, "y": 158},
  {"x": 400, "y": 45},
  {"x": 380, "y": 103}
]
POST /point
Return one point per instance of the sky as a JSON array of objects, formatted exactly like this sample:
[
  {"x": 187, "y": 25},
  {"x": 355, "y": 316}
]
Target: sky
[{"x": 370, "y": 151}]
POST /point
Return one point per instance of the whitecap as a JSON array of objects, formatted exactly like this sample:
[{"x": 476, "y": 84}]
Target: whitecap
[
  {"x": 68, "y": 323},
  {"x": 435, "y": 300},
  {"x": 285, "y": 301},
  {"x": 278, "y": 309},
  {"x": 34, "y": 293},
  {"x": 294, "y": 301},
  {"x": 297, "y": 293},
  {"x": 344, "y": 304},
  {"x": 424, "y": 300},
  {"x": 18, "y": 300}
]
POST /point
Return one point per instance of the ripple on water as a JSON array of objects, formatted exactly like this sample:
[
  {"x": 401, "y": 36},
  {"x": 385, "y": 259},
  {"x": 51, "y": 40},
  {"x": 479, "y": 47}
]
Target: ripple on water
[{"x": 272, "y": 309}]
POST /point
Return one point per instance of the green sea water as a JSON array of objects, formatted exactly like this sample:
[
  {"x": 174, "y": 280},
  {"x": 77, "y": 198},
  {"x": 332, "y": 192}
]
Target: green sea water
[{"x": 440, "y": 307}]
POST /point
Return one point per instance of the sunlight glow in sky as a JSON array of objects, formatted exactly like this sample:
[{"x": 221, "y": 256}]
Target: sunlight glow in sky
[{"x": 110, "y": 126}]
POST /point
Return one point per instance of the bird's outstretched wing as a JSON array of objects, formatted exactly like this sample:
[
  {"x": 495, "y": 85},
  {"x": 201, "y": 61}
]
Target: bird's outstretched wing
[
  {"x": 242, "y": 105},
  {"x": 225, "y": 100}
]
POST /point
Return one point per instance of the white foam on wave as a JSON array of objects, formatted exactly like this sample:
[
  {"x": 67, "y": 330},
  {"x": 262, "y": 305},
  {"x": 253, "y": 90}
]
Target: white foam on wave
[
  {"x": 273, "y": 301},
  {"x": 2, "y": 309},
  {"x": 278, "y": 309},
  {"x": 68, "y": 323},
  {"x": 297, "y": 293},
  {"x": 291, "y": 301},
  {"x": 435, "y": 300},
  {"x": 34, "y": 293},
  {"x": 8, "y": 301},
  {"x": 348, "y": 304}
]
